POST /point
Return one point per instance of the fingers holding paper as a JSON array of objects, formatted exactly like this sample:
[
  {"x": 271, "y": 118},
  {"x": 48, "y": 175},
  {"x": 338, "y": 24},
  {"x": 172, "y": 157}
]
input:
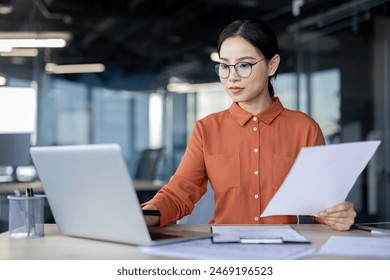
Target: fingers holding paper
[{"x": 340, "y": 217}]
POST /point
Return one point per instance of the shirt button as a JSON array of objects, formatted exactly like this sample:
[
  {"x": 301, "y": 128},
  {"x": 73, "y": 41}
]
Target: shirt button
[
  {"x": 256, "y": 219},
  {"x": 256, "y": 150},
  {"x": 256, "y": 196},
  {"x": 255, "y": 129},
  {"x": 256, "y": 172},
  {"x": 254, "y": 119}
]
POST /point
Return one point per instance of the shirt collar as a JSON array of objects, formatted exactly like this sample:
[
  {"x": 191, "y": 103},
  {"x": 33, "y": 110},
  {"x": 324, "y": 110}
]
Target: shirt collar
[{"x": 266, "y": 116}]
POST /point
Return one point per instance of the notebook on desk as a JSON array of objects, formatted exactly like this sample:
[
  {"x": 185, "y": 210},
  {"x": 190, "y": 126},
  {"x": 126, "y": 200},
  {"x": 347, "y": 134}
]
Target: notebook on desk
[{"x": 91, "y": 195}]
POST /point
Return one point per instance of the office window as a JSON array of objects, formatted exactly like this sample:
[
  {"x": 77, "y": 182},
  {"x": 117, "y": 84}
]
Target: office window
[
  {"x": 18, "y": 113},
  {"x": 112, "y": 118},
  {"x": 211, "y": 101},
  {"x": 18, "y": 109},
  {"x": 63, "y": 114},
  {"x": 285, "y": 86},
  {"x": 155, "y": 120},
  {"x": 326, "y": 99}
]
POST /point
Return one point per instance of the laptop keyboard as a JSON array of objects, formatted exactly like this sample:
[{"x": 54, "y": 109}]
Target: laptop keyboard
[{"x": 161, "y": 236}]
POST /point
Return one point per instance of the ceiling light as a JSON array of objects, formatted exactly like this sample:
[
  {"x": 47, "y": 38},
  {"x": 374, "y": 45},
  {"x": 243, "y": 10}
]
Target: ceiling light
[
  {"x": 20, "y": 52},
  {"x": 33, "y": 43},
  {"x": 36, "y": 35},
  {"x": 189, "y": 88},
  {"x": 6, "y": 9},
  {"x": 5, "y": 48},
  {"x": 52, "y": 68},
  {"x": 179, "y": 87},
  {"x": 214, "y": 56},
  {"x": 11, "y": 40}
]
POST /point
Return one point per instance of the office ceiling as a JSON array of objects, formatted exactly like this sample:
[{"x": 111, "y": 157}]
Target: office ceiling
[{"x": 167, "y": 37}]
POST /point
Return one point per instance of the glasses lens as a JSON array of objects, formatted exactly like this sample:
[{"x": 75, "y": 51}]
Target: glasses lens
[
  {"x": 222, "y": 70},
  {"x": 243, "y": 69}
]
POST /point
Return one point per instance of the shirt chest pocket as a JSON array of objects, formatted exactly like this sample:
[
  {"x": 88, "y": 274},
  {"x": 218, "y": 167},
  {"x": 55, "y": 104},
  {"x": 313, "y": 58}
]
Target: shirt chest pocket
[{"x": 223, "y": 171}]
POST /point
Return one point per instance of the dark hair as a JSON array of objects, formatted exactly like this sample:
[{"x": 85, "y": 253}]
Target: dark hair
[{"x": 256, "y": 32}]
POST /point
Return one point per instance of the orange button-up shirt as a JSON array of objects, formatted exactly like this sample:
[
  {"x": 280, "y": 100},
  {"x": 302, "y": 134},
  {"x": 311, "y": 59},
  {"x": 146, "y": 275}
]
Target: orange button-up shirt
[{"x": 245, "y": 157}]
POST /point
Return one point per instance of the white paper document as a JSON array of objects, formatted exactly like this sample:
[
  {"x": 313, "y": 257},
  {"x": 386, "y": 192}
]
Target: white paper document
[
  {"x": 321, "y": 177},
  {"x": 204, "y": 249},
  {"x": 356, "y": 246},
  {"x": 257, "y": 234}
]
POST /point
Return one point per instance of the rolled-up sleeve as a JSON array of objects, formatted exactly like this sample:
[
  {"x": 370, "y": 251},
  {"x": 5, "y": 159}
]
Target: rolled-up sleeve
[{"x": 177, "y": 198}]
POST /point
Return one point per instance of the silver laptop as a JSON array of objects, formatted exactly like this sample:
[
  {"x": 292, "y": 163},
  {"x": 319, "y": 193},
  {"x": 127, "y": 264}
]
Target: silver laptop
[{"x": 91, "y": 195}]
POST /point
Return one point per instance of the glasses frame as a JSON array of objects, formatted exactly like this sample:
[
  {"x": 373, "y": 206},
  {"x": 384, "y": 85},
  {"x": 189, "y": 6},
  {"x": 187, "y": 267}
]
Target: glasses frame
[{"x": 217, "y": 65}]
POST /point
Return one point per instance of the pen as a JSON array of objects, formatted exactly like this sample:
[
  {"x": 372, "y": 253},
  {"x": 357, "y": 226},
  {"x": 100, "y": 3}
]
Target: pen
[
  {"x": 151, "y": 212},
  {"x": 372, "y": 227},
  {"x": 355, "y": 226},
  {"x": 30, "y": 221},
  {"x": 263, "y": 240},
  {"x": 27, "y": 213},
  {"x": 29, "y": 192}
]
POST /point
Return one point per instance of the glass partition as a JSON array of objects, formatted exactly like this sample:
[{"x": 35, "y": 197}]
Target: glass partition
[{"x": 341, "y": 64}]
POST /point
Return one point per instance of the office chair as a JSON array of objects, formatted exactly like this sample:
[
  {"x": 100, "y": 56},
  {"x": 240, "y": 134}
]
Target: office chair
[
  {"x": 15, "y": 151},
  {"x": 147, "y": 164},
  {"x": 147, "y": 170}
]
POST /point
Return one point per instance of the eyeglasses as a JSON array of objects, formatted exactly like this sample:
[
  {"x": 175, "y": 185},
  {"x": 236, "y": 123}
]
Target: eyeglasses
[{"x": 243, "y": 69}]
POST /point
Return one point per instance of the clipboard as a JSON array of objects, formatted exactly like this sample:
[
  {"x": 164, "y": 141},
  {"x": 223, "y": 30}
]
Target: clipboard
[{"x": 263, "y": 234}]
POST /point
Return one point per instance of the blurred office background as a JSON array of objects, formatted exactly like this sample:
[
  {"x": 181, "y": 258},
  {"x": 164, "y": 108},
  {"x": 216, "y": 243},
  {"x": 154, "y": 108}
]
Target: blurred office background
[{"x": 151, "y": 76}]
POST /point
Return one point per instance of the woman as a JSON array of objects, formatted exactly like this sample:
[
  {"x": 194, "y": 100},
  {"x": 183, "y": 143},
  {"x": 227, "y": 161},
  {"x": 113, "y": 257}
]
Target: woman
[{"x": 247, "y": 150}]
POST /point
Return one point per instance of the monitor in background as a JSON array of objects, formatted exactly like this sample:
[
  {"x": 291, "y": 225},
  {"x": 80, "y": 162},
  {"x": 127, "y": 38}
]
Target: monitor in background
[{"x": 15, "y": 151}]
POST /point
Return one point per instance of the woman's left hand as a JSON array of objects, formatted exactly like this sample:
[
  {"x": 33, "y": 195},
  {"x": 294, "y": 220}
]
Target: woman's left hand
[{"x": 340, "y": 217}]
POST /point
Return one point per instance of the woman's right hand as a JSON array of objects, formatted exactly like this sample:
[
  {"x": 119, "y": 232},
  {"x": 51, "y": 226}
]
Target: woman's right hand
[{"x": 151, "y": 220}]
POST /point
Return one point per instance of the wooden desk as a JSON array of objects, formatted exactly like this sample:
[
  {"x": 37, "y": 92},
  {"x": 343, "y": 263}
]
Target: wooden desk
[
  {"x": 56, "y": 246},
  {"x": 148, "y": 185},
  {"x": 7, "y": 188}
]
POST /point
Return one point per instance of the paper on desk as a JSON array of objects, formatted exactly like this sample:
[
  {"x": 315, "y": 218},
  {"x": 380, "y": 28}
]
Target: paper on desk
[
  {"x": 285, "y": 233},
  {"x": 321, "y": 177},
  {"x": 204, "y": 249},
  {"x": 356, "y": 246}
]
